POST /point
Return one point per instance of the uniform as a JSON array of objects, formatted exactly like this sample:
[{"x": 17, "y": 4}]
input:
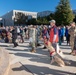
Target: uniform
[
  {"x": 32, "y": 38},
  {"x": 72, "y": 36}
]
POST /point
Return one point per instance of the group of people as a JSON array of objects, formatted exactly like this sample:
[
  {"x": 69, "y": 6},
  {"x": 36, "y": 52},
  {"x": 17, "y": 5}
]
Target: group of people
[
  {"x": 54, "y": 34},
  {"x": 10, "y": 34},
  {"x": 51, "y": 36}
]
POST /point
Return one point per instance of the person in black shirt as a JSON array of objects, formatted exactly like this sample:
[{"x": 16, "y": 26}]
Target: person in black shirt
[{"x": 14, "y": 36}]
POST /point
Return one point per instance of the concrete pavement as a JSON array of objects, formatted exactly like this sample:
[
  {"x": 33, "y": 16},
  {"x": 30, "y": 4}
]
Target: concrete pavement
[{"x": 37, "y": 63}]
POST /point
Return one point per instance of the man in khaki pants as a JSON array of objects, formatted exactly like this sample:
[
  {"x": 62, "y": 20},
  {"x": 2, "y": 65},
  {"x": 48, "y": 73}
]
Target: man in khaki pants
[
  {"x": 32, "y": 38},
  {"x": 72, "y": 33}
]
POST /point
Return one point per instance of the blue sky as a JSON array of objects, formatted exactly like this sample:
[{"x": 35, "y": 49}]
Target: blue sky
[{"x": 30, "y": 5}]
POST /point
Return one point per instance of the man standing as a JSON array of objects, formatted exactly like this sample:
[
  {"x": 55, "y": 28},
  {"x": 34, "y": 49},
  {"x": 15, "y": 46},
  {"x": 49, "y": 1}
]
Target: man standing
[
  {"x": 53, "y": 34},
  {"x": 72, "y": 35},
  {"x": 32, "y": 38},
  {"x": 14, "y": 36}
]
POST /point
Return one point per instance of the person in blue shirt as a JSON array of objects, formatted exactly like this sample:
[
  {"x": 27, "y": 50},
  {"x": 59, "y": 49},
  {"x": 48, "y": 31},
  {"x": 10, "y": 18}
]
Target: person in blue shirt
[
  {"x": 62, "y": 33},
  {"x": 67, "y": 35}
]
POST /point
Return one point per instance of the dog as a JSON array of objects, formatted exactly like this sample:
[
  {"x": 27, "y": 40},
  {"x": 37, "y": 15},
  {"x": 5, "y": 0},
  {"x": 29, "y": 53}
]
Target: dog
[{"x": 55, "y": 57}]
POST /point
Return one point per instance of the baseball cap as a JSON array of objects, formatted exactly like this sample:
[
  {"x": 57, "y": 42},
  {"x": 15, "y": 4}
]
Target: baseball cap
[{"x": 52, "y": 21}]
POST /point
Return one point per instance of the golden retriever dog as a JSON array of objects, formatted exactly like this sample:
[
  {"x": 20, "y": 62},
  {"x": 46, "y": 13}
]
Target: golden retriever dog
[{"x": 55, "y": 57}]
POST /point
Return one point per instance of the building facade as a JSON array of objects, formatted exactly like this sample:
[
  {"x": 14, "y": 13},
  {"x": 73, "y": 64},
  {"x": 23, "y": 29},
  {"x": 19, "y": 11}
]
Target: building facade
[
  {"x": 10, "y": 16},
  {"x": 1, "y": 21}
]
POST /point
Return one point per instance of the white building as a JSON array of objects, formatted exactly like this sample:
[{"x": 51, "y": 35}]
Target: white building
[
  {"x": 1, "y": 21},
  {"x": 44, "y": 13},
  {"x": 9, "y": 17}
]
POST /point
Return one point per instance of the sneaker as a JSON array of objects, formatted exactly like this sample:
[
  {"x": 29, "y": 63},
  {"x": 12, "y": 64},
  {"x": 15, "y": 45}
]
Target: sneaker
[
  {"x": 38, "y": 45},
  {"x": 74, "y": 53},
  {"x": 14, "y": 46},
  {"x": 44, "y": 47},
  {"x": 71, "y": 53},
  {"x": 33, "y": 51}
]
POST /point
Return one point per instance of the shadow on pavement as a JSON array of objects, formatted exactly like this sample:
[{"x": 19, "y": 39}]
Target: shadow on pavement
[
  {"x": 73, "y": 63},
  {"x": 35, "y": 58},
  {"x": 66, "y": 53},
  {"x": 38, "y": 70},
  {"x": 39, "y": 51},
  {"x": 42, "y": 56},
  {"x": 65, "y": 47},
  {"x": 3, "y": 46},
  {"x": 21, "y": 68}
]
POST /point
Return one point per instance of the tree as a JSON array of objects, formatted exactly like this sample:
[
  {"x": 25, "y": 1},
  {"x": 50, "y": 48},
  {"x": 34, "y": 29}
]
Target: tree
[
  {"x": 63, "y": 13},
  {"x": 43, "y": 20},
  {"x": 51, "y": 16},
  {"x": 20, "y": 18},
  {"x": 32, "y": 21}
]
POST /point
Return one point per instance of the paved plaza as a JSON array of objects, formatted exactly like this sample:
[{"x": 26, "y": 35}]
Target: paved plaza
[{"x": 23, "y": 62}]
